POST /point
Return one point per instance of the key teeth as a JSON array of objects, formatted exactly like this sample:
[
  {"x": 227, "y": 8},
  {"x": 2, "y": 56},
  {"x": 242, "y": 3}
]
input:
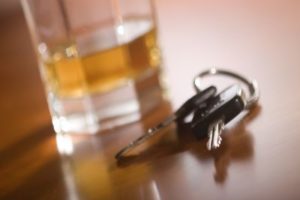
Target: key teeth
[
  {"x": 208, "y": 146},
  {"x": 214, "y": 146},
  {"x": 214, "y": 135},
  {"x": 219, "y": 140}
]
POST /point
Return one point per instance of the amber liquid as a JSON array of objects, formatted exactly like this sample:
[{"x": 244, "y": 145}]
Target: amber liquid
[{"x": 68, "y": 74}]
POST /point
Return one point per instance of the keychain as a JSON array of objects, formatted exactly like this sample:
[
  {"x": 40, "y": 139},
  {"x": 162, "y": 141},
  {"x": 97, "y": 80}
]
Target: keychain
[{"x": 211, "y": 111}]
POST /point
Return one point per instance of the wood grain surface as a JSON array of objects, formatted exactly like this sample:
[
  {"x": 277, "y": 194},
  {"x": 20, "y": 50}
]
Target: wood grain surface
[{"x": 259, "y": 157}]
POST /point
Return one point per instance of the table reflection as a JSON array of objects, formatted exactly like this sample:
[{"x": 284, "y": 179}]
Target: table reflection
[
  {"x": 237, "y": 145},
  {"x": 90, "y": 170},
  {"x": 64, "y": 144}
]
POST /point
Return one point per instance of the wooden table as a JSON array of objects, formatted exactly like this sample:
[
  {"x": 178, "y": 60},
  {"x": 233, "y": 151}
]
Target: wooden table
[{"x": 259, "y": 157}]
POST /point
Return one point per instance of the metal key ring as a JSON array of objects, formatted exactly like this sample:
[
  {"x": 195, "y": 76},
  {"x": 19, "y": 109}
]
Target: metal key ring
[{"x": 251, "y": 84}]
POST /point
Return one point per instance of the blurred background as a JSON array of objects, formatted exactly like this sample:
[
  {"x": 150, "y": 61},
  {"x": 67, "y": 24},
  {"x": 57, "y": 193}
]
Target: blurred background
[
  {"x": 8, "y": 7},
  {"x": 22, "y": 93},
  {"x": 193, "y": 34},
  {"x": 259, "y": 38}
]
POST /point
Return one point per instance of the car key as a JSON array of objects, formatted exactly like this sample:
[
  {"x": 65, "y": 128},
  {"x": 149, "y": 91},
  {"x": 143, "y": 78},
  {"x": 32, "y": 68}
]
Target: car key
[
  {"x": 223, "y": 108},
  {"x": 197, "y": 101}
]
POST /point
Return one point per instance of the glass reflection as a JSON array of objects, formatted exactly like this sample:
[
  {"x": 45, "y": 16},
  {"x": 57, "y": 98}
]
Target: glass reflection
[
  {"x": 84, "y": 166},
  {"x": 90, "y": 170},
  {"x": 69, "y": 179},
  {"x": 155, "y": 191},
  {"x": 64, "y": 144}
]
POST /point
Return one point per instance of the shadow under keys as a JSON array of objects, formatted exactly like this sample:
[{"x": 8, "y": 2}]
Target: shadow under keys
[{"x": 237, "y": 145}]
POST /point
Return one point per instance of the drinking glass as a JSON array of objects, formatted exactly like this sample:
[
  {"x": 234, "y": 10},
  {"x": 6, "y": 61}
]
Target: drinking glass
[{"x": 99, "y": 61}]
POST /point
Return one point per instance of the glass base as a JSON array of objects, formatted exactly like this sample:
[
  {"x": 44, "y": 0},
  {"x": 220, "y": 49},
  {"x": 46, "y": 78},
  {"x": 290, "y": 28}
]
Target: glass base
[{"x": 97, "y": 112}]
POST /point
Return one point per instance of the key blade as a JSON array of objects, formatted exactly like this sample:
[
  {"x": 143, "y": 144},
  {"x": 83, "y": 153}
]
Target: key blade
[
  {"x": 214, "y": 135},
  {"x": 195, "y": 101},
  {"x": 226, "y": 106},
  {"x": 132, "y": 145},
  {"x": 150, "y": 132}
]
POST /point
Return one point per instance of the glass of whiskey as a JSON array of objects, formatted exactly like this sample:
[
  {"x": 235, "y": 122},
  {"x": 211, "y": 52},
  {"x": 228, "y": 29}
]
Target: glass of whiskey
[{"x": 99, "y": 61}]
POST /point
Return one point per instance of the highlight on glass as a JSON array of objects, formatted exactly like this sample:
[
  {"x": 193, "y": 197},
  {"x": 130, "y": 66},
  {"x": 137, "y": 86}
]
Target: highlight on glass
[{"x": 99, "y": 60}]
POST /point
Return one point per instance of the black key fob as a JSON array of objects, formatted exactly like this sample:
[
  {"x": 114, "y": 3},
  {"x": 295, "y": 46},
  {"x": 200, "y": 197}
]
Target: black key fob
[{"x": 224, "y": 107}]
